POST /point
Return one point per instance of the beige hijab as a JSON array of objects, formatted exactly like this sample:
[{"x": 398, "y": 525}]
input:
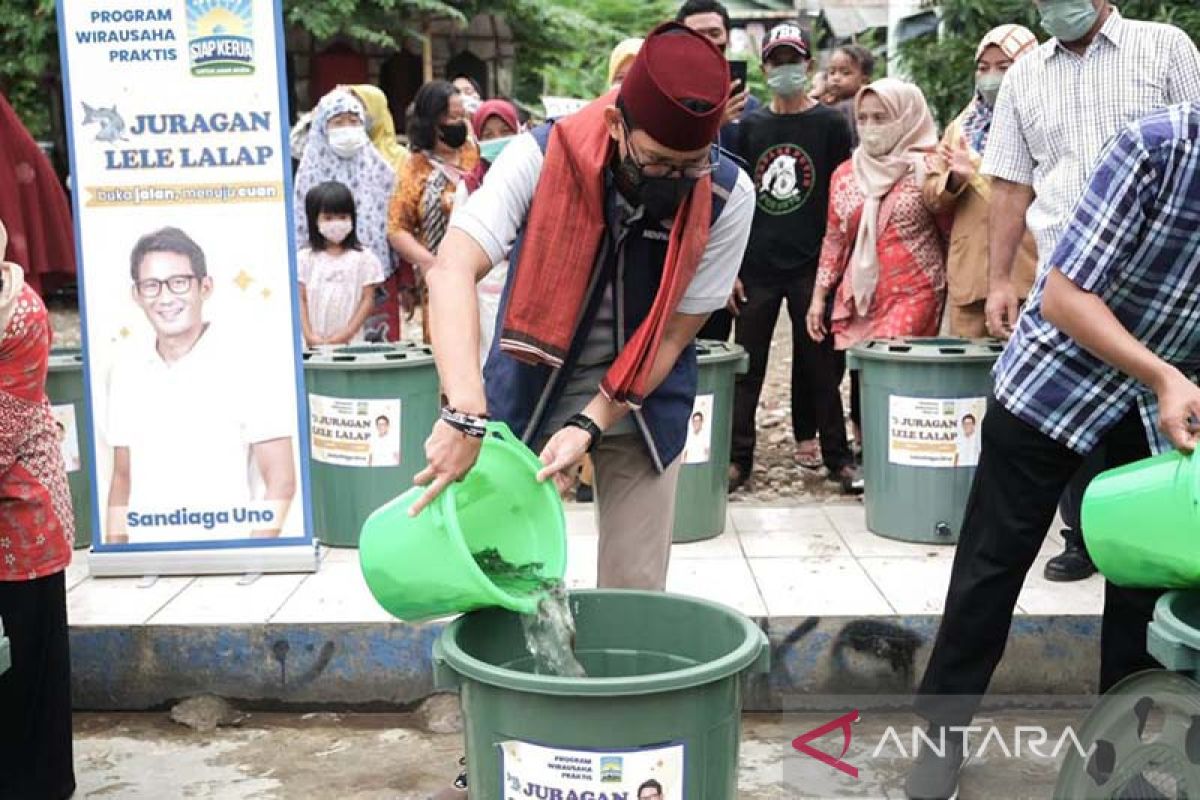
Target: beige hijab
[
  {"x": 876, "y": 175},
  {"x": 12, "y": 279}
]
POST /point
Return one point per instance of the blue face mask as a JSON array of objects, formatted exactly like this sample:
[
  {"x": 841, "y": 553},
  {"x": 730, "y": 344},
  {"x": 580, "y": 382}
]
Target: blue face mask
[
  {"x": 1068, "y": 20},
  {"x": 490, "y": 150}
]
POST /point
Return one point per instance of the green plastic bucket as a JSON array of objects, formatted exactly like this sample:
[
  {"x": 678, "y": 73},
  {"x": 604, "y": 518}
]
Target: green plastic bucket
[
  {"x": 1141, "y": 523},
  {"x": 1173, "y": 636},
  {"x": 422, "y": 568},
  {"x": 663, "y": 699}
]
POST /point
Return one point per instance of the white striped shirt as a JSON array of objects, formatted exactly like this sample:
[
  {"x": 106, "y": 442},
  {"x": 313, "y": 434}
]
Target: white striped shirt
[{"x": 1057, "y": 110}]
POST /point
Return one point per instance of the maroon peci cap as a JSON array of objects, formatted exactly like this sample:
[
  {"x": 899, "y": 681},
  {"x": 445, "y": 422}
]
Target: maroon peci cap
[{"x": 677, "y": 64}]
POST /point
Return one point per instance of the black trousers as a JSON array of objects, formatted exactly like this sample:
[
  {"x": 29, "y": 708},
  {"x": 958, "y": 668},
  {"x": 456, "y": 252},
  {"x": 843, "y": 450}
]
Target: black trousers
[
  {"x": 718, "y": 326},
  {"x": 35, "y": 694},
  {"x": 1070, "y": 504},
  {"x": 817, "y": 371},
  {"x": 1020, "y": 477}
]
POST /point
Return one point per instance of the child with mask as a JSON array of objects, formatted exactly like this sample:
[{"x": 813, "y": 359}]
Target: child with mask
[
  {"x": 339, "y": 149},
  {"x": 338, "y": 277},
  {"x": 792, "y": 147}
]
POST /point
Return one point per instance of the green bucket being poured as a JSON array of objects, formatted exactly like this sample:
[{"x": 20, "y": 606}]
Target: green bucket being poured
[
  {"x": 498, "y": 516},
  {"x": 1141, "y": 523}
]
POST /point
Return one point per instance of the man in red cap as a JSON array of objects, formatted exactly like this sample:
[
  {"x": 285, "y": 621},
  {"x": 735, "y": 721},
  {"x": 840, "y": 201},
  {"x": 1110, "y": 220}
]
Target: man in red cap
[{"x": 624, "y": 229}]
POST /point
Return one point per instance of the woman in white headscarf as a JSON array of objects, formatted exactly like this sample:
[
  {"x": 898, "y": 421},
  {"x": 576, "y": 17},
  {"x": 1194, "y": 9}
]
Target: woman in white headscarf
[
  {"x": 884, "y": 254},
  {"x": 339, "y": 149},
  {"x": 956, "y": 185}
]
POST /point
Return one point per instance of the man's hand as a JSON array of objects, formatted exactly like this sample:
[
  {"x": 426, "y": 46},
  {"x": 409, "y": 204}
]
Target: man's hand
[
  {"x": 450, "y": 455},
  {"x": 1179, "y": 410},
  {"x": 562, "y": 454},
  {"x": 736, "y": 298},
  {"x": 736, "y": 104},
  {"x": 1002, "y": 309}
]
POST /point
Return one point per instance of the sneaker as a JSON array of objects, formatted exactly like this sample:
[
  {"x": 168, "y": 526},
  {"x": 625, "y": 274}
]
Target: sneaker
[
  {"x": 1073, "y": 564},
  {"x": 850, "y": 478},
  {"x": 457, "y": 790},
  {"x": 934, "y": 775}
]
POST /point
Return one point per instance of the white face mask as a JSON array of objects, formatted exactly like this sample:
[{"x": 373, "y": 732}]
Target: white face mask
[
  {"x": 348, "y": 140},
  {"x": 335, "y": 230},
  {"x": 879, "y": 140}
]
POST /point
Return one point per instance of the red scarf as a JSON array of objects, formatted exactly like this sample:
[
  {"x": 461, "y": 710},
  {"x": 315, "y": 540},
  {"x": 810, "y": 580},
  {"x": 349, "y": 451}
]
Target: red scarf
[{"x": 558, "y": 256}]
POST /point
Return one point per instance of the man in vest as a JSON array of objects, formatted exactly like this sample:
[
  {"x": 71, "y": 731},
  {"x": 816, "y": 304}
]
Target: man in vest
[{"x": 625, "y": 229}]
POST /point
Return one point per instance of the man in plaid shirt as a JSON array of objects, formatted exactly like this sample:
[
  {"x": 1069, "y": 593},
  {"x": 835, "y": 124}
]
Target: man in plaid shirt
[
  {"x": 1056, "y": 111},
  {"x": 1101, "y": 358}
]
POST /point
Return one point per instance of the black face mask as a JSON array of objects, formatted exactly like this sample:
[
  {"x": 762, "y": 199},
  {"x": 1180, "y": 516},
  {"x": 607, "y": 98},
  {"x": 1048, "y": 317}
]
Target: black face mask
[
  {"x": 454, "y": 136},
  {"x": 660, "y": 197}
]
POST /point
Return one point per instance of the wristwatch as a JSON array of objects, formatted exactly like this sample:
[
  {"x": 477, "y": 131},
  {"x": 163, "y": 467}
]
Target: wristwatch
[{"x": 586, "y": 423}]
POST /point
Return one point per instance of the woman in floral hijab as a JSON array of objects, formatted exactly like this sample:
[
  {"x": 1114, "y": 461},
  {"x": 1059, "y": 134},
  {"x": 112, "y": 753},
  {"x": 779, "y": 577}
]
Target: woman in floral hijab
[{"x": 339, "y": 149}]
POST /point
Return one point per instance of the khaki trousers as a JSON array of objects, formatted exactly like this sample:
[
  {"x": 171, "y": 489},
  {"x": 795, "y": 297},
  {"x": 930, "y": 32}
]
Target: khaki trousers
[{"x": 635, "y": 514}]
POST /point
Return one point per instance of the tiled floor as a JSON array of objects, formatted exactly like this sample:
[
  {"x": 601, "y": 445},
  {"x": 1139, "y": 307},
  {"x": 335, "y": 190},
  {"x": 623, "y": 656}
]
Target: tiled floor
[{"x": 771, "y": 561}]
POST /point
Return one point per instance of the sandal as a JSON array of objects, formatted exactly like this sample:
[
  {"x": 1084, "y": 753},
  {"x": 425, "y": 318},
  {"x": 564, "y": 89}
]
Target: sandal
[{"x": 808, "y": 454}]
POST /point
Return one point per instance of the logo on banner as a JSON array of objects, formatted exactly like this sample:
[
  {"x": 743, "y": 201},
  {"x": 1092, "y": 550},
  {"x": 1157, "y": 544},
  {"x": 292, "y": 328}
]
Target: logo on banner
[
  {"x": 611, "y": 769},
  {"x": 109, "y": 122},
  {"x": 219, "y": 37}
]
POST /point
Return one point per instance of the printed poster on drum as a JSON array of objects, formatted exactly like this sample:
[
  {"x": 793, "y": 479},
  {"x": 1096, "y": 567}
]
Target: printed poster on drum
[
  {"x": 531, "y": 770},
  {"x": 181, "y": 181},
  {"x": 935, "y": 432}
]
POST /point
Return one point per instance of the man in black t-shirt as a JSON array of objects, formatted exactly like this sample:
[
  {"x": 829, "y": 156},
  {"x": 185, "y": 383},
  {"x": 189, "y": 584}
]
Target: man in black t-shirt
[{"x": 792, "y": 148}]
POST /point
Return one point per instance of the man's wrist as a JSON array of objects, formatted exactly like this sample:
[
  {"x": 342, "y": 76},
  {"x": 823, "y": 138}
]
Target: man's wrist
[
  {"x": 588, "y": 425},
  {"x": 1163, "y": 376}
]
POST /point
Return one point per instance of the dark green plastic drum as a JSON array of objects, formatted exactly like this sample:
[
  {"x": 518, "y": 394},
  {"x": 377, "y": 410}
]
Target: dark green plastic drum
[
  {"x": 371, "y": 408},
  {"x": 64, "y": 387},
  {"x": 923, "y": 403},
  {"x": 701, "y": 496}
]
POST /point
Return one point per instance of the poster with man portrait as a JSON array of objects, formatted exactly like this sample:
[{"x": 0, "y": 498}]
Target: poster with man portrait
[
  {"x": 697, "y": 448},
  {"x": 178, "y": 128}
]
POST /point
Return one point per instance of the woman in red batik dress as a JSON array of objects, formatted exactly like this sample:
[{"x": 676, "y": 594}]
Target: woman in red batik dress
[
  {"x": 36, "y": 530},
  {"x": 884, "y": 254}
]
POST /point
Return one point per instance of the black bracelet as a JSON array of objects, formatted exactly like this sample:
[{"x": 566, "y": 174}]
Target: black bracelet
[
  {"x": 589, "y": 426},
  {"x": 472, "y": 425}
]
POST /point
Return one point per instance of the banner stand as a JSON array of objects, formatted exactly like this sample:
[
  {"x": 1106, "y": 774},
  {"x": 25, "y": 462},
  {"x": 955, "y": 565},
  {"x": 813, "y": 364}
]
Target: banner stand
[{"x": 135, "y": 564}]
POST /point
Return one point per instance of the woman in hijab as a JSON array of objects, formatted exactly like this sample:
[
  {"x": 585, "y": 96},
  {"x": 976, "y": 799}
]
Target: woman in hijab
[
  {"x": 442, "y": 156},
  {"x": 621, "y": 59},
  {"x": 380, "y": 125},
  {"x": 36, "y": 531},
  {"x": 954, "y": 184},
  {"x": 339, "y": 149},
  {"x": 34, "y": 206},
  {"x": 883, "y": 256}
]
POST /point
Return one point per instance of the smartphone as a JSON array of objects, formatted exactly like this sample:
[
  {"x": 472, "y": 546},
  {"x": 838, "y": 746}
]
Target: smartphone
[{"x": 737, "y": 73}]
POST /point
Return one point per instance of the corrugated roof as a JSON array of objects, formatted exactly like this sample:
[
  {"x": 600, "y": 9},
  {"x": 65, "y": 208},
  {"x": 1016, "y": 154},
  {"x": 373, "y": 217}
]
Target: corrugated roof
[
  {"x": 849, "y": 17},
  {"x": 760, "y": 9}
]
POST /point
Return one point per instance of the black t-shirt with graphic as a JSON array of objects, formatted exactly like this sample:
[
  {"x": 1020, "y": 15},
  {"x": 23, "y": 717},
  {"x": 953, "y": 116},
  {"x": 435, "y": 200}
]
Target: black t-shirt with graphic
[{"x": 791, "y": 158}]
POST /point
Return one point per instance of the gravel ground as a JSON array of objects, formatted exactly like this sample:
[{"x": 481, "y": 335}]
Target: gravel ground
[{"x": 776, "y": 475}]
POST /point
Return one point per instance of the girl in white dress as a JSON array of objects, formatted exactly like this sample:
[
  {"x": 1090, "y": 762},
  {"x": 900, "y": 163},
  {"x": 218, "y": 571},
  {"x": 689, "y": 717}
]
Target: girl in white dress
[{"x": 338, "y": 276}]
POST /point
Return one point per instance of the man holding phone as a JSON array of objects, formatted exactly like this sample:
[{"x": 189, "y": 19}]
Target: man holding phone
[
  {"x": 710, "y": 19},
  {"x": 792, "y": 147}
]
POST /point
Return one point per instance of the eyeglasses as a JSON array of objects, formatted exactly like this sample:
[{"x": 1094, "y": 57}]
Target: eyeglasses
[
  {"x": 176, "y": 284},
  {"x": 660, "y": 170}
]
